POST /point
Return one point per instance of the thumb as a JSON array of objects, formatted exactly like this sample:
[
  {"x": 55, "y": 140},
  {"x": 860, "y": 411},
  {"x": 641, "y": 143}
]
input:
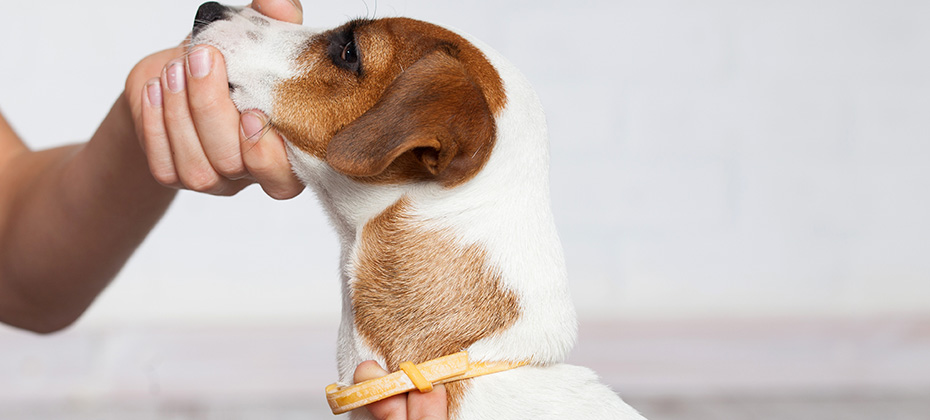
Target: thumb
[
  {"x": 393, "y": 408},
  {"x": 286, "y": 10},
  {"x": 429, "y": 406}
]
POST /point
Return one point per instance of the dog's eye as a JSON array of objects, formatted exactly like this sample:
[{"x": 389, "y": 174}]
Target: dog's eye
[
  {"x": 349, "y": 54},
  {"x": 344, "y": 51}
]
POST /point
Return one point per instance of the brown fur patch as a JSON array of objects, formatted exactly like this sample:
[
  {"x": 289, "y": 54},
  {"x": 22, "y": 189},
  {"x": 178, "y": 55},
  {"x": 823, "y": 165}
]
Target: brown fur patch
[
  {"x": 455, "y": 393},
  {"x": 431, "y": 124},
  {"x": 418, "y": 295},
  {"x": 313, "y": 108}
]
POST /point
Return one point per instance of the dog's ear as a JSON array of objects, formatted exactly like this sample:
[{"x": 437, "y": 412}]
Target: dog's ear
[{"x": 432, "y": 122}]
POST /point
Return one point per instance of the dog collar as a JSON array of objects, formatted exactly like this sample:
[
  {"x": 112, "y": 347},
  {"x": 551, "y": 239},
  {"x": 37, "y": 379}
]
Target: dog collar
[{"x": 422, "y": 377}]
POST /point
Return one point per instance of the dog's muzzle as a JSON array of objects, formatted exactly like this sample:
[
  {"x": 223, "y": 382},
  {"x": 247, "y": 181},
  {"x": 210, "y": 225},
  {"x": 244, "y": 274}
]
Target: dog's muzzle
[{"x": 208, "y": 13}]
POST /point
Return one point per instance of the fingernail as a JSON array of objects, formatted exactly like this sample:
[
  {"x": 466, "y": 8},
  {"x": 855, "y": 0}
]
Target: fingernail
[
  {"x": 153, "y": 90},
  {"x": 300, "y": 10},
  {"x": 175, "y": 76},
  {"x": 296, "y": 3},
  {"x": 200, "y": 62},
  {"x": 252, "y": 125}
]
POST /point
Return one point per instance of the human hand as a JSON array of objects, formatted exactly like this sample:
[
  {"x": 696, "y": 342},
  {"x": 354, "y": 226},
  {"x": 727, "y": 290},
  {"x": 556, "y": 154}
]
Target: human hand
[
  {"x": 414, "y": 405},
  {"x": 191, "y": 132}
]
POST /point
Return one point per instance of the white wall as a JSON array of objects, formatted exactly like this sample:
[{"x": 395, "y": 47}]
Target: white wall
[{"x": 744, "y": 158}]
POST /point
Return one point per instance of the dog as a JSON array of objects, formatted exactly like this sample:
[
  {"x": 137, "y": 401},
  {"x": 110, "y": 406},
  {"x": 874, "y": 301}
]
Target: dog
[{"x": 429, "y": 152}]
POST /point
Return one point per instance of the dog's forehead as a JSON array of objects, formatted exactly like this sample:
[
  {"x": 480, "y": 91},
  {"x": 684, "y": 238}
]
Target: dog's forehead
[
  {"x": 396, "y": 39},
  {"x": 406, "y": 36},
  {"x": 403, "y": 41}
]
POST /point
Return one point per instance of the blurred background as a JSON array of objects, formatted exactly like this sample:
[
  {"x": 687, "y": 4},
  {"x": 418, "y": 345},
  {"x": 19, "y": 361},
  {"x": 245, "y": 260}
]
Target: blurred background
[{"x": 742, "y": 189}]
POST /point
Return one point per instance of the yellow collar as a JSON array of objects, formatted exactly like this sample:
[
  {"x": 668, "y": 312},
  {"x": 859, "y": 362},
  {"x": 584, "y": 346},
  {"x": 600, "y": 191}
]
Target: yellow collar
[{"x": 422, "y": 377}]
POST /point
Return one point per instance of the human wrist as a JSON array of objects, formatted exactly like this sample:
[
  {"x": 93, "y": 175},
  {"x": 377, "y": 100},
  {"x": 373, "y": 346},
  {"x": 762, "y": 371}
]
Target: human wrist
[{"x": 115, "y": 154}]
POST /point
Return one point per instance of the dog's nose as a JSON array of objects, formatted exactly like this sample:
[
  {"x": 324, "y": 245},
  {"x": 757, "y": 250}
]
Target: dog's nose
[{"x": 208, "y": 12}]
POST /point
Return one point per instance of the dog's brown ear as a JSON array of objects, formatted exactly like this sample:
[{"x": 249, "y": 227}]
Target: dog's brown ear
[{"x": 432, "y": 122}]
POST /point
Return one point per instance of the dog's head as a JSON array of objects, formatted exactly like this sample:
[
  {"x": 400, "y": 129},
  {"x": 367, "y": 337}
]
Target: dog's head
[{"x": 383, "y": 101}]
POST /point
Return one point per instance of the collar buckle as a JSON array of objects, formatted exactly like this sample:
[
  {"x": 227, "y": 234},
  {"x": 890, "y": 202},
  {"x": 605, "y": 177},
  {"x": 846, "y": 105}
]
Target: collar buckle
[{"x": 422, "y": 377}]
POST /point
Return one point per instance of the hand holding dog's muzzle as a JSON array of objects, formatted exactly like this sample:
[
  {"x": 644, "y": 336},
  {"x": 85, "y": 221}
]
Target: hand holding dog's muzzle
[{"x": 192, "y": 134}]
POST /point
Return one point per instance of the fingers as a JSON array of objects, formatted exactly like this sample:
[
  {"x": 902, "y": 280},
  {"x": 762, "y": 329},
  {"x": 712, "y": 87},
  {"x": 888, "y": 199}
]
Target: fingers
[
  {"x": 154, "y": 138},
  {"x": 195, "y": 138},
  {"x": 429, "y": 406},
  {"x": 414, "y": 406},
  {"x": 214, "y": 115},
  {"x": 194, "y": 169},
  {"x": 141, "y": 75},
  {"x": 393, "y": 408},
  {"x": 175, "y": 109},
  {"x": 286, "y": 10},
  {"x": 265, "y": 157}
]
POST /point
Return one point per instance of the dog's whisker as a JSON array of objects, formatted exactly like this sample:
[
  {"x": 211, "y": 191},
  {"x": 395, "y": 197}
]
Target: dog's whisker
[
  {"x": 476, "y": 151},
  {"x": 265, "y": 129}
]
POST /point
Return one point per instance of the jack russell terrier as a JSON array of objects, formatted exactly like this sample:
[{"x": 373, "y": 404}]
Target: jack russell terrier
[{"x": 429, "y": 152}]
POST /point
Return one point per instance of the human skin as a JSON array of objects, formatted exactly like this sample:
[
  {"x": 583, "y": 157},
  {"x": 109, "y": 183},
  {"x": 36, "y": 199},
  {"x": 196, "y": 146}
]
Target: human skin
[
  {"x": 414, "y": 405},
  {"x": 71, "y": 216}
]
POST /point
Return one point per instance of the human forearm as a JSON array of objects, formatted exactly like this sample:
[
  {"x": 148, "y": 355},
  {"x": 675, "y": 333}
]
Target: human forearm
[
  {"x": 77, "y": 214},
  {"x": 70, "y": 217}
]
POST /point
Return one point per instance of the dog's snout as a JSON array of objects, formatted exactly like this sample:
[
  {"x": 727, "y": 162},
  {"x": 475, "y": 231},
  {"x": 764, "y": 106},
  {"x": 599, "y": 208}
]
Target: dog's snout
[{"x": 208, "y": 12}]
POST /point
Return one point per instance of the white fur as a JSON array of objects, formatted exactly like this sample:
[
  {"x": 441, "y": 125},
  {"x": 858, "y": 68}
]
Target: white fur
[
  {"x": 260, "y": 63},
  {"x": 505, "y": 208}
]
